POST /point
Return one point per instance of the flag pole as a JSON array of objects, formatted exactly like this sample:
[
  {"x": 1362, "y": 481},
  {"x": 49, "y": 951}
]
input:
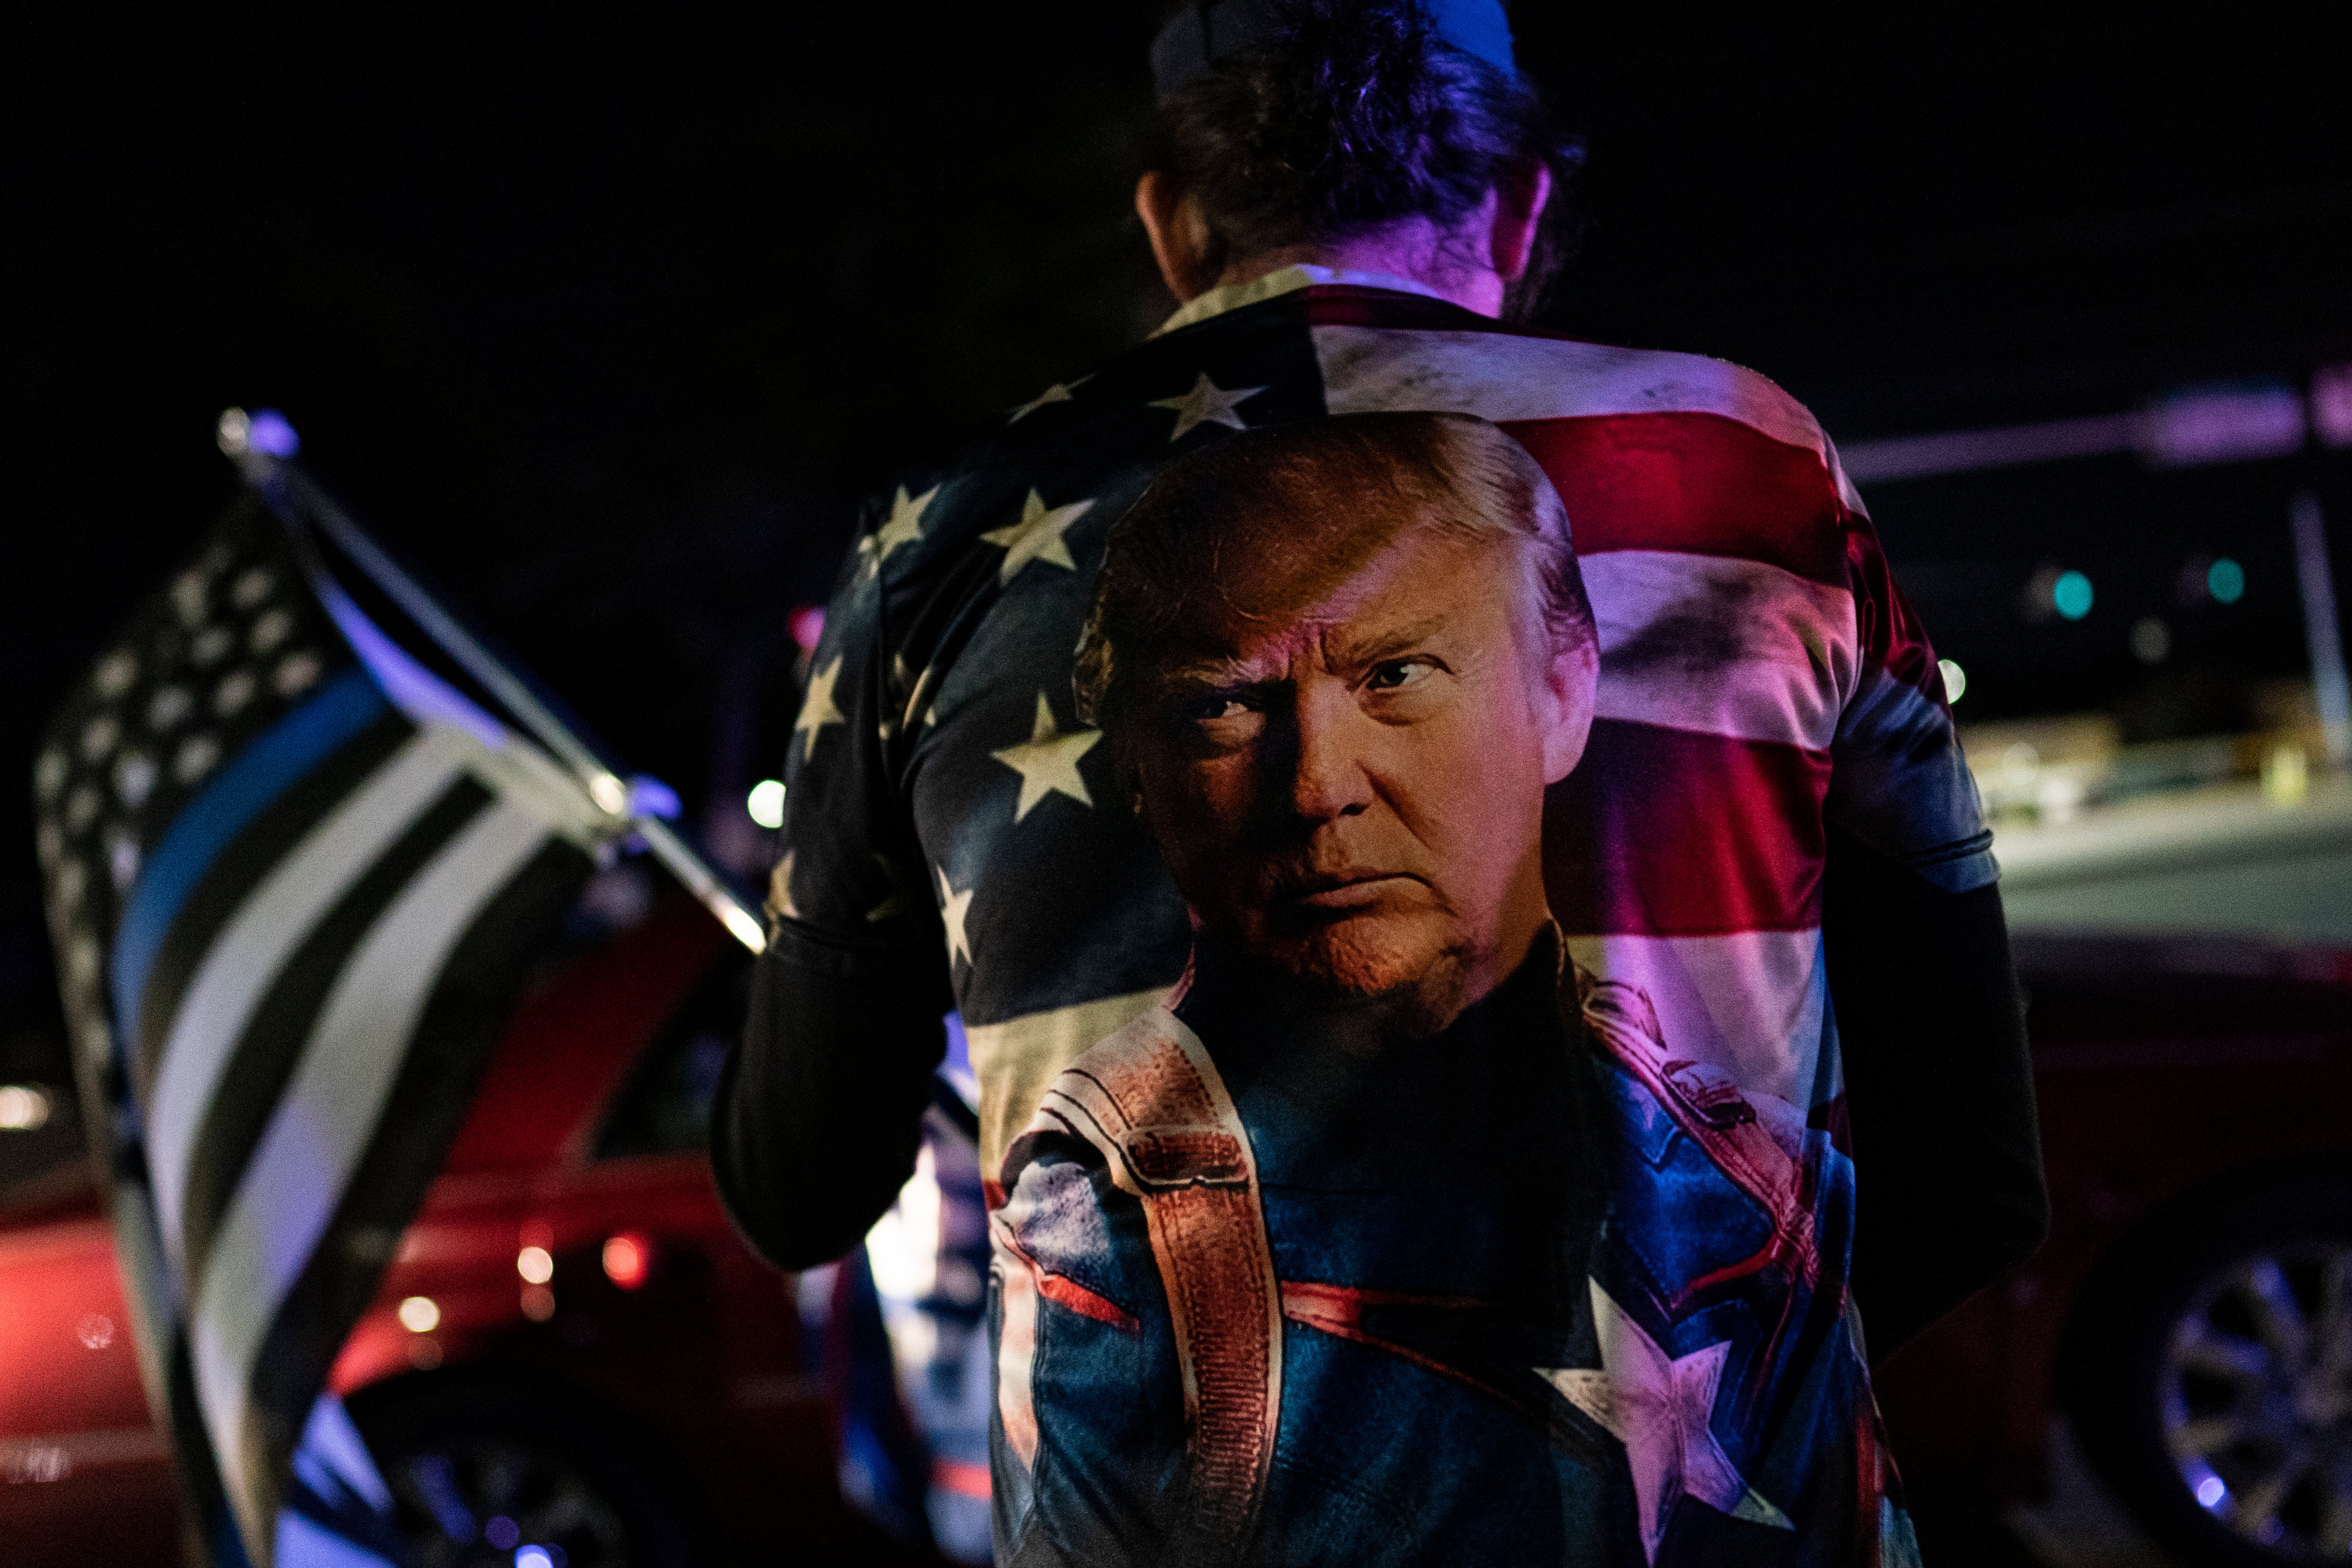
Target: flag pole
[{"x": 263, "y": 469}]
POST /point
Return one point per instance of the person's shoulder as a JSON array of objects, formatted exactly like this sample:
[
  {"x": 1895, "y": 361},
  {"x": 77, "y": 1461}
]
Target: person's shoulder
[
  {"x": 1087, "y": 437},
  {"x": 1427, "y": 355}
]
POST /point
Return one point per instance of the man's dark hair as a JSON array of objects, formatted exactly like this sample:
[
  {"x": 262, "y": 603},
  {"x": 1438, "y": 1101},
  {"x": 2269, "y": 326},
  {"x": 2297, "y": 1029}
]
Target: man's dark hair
[{"x": 1352, "y": 116}]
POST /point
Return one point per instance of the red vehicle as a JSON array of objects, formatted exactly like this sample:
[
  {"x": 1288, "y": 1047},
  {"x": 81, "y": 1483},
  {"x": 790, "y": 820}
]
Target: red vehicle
[
  {"x": 2191, "y": 1313},
  {"x": 571, "y": 1347},
  {"x": 571, "y": 1338}
]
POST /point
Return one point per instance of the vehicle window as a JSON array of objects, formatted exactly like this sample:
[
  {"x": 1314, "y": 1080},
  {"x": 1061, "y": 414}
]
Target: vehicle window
[{"x": 664, "y": 1108}]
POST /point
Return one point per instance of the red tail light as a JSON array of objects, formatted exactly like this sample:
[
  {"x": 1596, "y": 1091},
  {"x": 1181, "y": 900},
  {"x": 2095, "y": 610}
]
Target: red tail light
[{"x": 628, "y": 1259}]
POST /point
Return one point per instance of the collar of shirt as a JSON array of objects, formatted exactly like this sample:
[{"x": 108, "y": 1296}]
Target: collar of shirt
[{"x": 1283, "y": 281}]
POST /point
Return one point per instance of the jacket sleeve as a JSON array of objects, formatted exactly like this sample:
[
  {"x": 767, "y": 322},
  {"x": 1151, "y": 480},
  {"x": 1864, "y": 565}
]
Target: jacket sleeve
[
  {"x": 1939, "y": 1077},
  {"x": 1940, "y": 1091},
  {"x": 819, "y": 1111}
]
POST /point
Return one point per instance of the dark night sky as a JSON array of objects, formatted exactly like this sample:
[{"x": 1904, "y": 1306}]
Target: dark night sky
[{"x": 603, "y": 318}]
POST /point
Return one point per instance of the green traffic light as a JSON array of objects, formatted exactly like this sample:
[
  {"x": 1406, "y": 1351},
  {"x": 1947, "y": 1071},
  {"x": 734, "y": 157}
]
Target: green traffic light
[
  {"x": 2072, "y": 595},
  {"x": 2226, "y": 581}
]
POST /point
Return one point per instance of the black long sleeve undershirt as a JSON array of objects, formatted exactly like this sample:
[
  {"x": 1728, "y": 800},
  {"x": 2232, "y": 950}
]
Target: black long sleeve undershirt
[
  {"x": 1940, "y": 1091},
  {"x": 819, "y": 1112}
]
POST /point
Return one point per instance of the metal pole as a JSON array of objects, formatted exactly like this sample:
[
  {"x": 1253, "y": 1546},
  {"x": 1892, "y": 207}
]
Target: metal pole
[
  {"x": 2329, "y": 683},
  {"x": 700, "y": 881},
  {"x": 603, "y": 786}
]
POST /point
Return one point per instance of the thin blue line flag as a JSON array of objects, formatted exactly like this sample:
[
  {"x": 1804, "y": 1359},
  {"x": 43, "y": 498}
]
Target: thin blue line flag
[{"x": 294, "y": 863}]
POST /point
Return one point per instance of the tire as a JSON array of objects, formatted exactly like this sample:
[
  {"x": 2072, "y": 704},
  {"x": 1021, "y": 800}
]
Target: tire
[
  {"x": 480, "y": 1470},
  {"x": 2209, "y": 1375}
]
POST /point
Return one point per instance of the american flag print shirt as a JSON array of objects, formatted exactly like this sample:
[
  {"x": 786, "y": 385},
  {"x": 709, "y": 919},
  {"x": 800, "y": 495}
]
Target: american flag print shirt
[{"x": 1761, "y": 679}]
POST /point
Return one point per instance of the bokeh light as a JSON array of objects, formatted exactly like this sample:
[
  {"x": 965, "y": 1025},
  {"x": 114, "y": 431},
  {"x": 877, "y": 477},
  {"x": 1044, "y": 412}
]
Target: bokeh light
[
  {"x": 2071, "y": 595},
  {"x": 2226, "y": 581},
  {"x": 1956, "y": 679},
  {"x": 22, "y": 1109},
  {"x": 766, "y": 803},
  {"x": 627, "y": 1260}
]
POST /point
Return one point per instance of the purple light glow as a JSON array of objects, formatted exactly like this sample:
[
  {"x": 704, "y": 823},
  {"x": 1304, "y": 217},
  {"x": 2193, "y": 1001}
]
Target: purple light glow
[
  {"x": 649, "y": 797},
  {"x": 270, "y": 433}
]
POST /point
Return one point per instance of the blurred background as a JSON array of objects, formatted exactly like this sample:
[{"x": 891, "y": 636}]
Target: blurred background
[{"x": 604, "y": 319}]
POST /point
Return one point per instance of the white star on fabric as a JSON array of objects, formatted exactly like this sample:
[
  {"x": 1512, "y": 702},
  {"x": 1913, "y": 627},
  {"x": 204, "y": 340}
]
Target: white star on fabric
[
  {"x": 1659, "y": 1405},
  {"x": 817, "y": 707},
  {"x": 1207, "y": 404},
  {"x": 953, "y": 907},
  {"x": 904, "y": 526},
  {"x": 1048, "y": 762},
  {"x": 1058, "y": 392},
  {"x": 1036, "y": 537}
]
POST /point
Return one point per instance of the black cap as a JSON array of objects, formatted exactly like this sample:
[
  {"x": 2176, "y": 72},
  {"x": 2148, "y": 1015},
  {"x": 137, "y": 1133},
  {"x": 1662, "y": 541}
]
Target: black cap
[{"x": 1209, "y": 30}]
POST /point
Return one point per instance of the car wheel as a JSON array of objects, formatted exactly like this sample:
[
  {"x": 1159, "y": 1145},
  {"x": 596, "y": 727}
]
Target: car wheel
[
  {"x": 2213, "y": 1377},
  {"x": 481, "y": 1474}
]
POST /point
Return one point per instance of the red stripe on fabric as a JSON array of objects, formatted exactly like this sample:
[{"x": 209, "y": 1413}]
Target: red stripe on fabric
[
  {"x": 1699, "y": 482},
  {"x": 1346, "y": 1304},
  {"x": 1065, "y": 1291},
  {"x": 1355, "y": 305},
  {"x": 1324, "y": 1308},
  {"x": 960, "y": 1477},
  {"x": 1673, "y": 833}
]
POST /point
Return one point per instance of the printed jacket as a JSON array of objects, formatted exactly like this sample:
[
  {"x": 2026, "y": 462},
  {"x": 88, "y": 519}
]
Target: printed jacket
[
  {"x": 1760, "y": 677},
  {"x": 1536, "y": 1290}
]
